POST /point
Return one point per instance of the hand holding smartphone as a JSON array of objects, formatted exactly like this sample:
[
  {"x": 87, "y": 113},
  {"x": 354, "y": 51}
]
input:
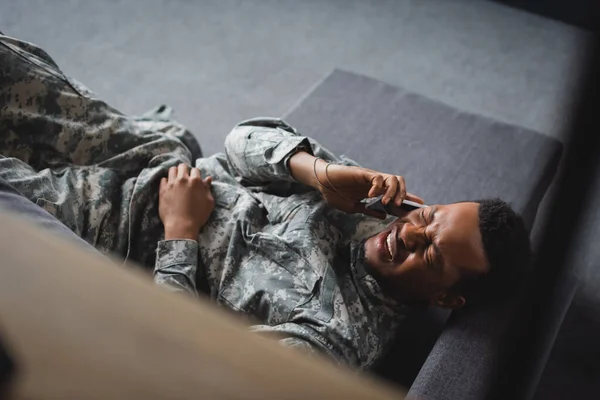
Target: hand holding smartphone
[{"x": 375, "y": 204}]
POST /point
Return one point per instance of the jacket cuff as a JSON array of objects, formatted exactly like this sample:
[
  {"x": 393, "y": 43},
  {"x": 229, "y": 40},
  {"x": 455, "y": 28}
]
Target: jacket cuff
[{"x": 177, "y": 256}]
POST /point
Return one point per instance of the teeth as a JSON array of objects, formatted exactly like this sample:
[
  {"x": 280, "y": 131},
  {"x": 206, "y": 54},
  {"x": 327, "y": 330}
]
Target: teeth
[{"x": 389, "y": 245}]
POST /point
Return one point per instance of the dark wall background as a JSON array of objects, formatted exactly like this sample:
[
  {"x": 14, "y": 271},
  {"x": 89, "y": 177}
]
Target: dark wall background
[{"x": 574, "y": 12}]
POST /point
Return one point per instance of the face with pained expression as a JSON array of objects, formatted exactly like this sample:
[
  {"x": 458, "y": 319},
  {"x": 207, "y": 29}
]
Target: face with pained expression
[{"x": 422, "y": 255}]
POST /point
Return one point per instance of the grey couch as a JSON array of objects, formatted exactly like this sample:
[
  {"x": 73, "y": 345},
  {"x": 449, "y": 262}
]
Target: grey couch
[{"x": 445, "y": 155}]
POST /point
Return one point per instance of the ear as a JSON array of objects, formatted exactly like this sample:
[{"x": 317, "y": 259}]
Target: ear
[{"x": 447, "y": 300}]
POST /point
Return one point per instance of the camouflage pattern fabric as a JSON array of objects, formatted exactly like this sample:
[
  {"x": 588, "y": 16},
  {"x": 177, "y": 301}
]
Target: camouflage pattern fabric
[{"x": 272, "y": 249}]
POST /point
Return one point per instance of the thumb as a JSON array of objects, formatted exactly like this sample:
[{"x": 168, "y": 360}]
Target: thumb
[{"x": 208, "y": 180}]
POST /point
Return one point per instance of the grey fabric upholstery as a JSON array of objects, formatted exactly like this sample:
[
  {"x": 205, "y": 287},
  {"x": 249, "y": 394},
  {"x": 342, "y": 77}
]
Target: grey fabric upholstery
[
  {"x": 445, "y": 155},
  {"x": 16, "y": 204}
]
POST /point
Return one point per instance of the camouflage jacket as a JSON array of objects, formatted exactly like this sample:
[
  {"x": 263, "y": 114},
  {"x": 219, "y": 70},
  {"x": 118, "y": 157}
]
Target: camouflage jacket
[{"x": 272, "y": 249}]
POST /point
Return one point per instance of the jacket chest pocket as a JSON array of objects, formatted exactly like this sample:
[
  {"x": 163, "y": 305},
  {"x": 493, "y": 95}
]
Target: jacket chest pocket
[
  {"x": 225, "y": 196},
  {"x": 270, "y": 283}
]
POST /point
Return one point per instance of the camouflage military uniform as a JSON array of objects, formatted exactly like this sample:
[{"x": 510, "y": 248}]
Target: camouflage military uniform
[{"x": 271, "y": 249}]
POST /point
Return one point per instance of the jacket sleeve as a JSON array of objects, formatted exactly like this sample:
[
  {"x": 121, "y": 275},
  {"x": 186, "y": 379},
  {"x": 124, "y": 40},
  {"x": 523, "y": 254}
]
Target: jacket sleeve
[
  {"x": 258, "y": 150},
  {"x": 176, "y": 265}
]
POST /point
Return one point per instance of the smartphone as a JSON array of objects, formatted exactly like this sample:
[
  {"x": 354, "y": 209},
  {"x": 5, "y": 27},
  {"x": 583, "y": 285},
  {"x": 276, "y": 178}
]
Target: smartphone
[{"x": 376, "y": 205}]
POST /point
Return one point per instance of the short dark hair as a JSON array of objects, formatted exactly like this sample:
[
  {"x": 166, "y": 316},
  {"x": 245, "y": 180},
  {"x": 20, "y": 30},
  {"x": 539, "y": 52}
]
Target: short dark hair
[{"x": 507, "y": 249}]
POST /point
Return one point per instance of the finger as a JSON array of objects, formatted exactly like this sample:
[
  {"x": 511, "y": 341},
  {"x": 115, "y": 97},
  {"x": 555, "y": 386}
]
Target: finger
[
  {"x": 360, "y": 208},
  {"x": 172, "y": 173},
  {"x": 391, "y": 184},
  {"x": 376, "y": 186},
  {"x": 195, "y": 173},
  {"x": 163, "y": 183},
  {"x": 208, "y": 181},
  {"x": 401, "y": 192},
  {"x": 415, "y": 198},
  {"x": 182, "y": 171}
]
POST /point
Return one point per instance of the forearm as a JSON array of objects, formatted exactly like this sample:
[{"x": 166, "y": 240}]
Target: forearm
[
  {"x": 176, "y": 265},
  {"x": 304, "y": 167}
]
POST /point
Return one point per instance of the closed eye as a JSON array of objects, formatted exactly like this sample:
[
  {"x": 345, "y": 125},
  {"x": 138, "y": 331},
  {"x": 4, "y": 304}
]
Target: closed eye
[
  {"x": 430, "y": 257},
  {"x": 427, "y": 218},
  {"x": 432, "y": 252},
  {"x": 422, "y": 217},
  {"x": 435, "y": 256}
]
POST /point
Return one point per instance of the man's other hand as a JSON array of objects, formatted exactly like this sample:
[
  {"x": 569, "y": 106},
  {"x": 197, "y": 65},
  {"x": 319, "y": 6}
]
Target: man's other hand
[{"x": 185, "y": 202}]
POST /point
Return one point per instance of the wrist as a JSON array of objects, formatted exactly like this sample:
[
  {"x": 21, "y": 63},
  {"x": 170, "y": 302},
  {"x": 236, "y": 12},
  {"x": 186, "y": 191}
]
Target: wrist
[{"x": 181, "y": 231}]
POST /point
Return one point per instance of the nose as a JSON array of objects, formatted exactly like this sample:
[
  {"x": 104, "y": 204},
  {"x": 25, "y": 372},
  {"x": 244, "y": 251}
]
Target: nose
[{"x": 412, "y": 237}]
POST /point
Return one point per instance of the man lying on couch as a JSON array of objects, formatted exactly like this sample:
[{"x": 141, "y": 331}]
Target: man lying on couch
[{"x": 273, "y": 228}]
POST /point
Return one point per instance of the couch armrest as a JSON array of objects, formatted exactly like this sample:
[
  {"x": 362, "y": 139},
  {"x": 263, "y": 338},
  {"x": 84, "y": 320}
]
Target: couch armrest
[
  {"x": 14, "y": 202},
  {"x": 463, "y": 363}
]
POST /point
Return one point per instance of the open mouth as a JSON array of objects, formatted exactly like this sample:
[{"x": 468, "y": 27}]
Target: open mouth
[
  {"x": 389, "y": 244},
  {"x": 387, "y": 248},
  {"x": 395, "y": 250}
]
